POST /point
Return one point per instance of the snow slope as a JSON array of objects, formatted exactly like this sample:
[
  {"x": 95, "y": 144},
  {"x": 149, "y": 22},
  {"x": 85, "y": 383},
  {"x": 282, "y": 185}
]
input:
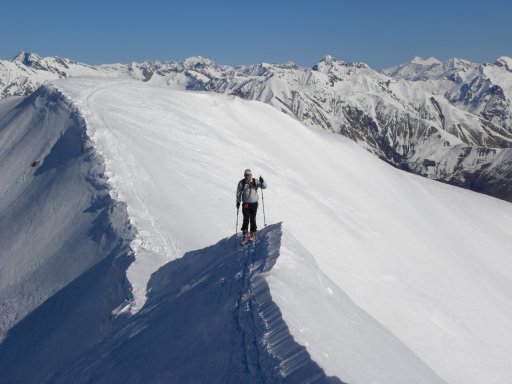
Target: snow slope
[
  {"x": 382, "y": 276},
  {"x": 49, "y": 212},
  {"x": 428, "y": 261}
]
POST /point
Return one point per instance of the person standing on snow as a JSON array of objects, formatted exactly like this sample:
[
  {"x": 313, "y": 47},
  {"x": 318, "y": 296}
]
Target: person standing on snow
[{"x": 247, "y": 193}]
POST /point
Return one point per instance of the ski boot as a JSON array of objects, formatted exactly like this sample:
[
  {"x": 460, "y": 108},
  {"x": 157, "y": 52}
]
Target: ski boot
[{"x": 245, "y": 239}]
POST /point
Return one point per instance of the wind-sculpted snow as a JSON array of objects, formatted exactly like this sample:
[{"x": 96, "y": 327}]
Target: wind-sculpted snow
[
  {"x": 209, "y": 318},
  {"x": 64, "y": 242}
]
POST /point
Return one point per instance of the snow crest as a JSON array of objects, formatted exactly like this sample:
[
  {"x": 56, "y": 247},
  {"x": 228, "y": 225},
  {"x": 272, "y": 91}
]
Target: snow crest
[{"x": 131, "y": 184}]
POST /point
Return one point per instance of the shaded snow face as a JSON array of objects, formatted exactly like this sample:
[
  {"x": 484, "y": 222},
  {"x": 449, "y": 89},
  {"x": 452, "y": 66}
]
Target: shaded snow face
[
  {"x": 57, "y": 219},
  {"x": 64, "y": 242},
  {"x": 209, "y": 318}
]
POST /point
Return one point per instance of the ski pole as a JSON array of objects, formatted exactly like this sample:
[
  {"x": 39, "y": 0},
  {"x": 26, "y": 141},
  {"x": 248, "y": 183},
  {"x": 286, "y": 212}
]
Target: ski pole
[
  {"x": 263, "y": 202},
  {"x": 236, "y": 226}
]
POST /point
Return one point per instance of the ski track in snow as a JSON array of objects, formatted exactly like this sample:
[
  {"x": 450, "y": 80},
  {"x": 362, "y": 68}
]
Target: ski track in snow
[{"x": 152, "y": 243}]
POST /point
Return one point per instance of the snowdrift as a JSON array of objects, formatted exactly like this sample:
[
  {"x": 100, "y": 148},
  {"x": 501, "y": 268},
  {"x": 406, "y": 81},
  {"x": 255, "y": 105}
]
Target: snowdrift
[{"x": 382, "y": 276}]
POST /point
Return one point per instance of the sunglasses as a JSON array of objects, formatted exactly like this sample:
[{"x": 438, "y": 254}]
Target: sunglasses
[{"x": 248, "y": 174}]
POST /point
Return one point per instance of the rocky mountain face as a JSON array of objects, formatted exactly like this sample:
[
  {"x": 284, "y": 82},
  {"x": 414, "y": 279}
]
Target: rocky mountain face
[
  {"x": 481, "y": 89},
  {"x": 449, "y": 121},
  {"x": 485, "y": 91}
]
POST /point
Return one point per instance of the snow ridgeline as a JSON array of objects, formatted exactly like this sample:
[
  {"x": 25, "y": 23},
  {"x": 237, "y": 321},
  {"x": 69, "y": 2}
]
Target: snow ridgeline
[
  {"x": 413, "y": 254},
  {"x": 71, "y": 322},
  {"x": 65, "y": 252}
]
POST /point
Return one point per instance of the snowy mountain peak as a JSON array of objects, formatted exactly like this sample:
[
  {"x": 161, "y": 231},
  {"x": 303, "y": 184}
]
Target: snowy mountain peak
[
  {"x": 197, "y": 62},
  {"x": 328, "y": 59},
  {"x": 329, "y": 64},
  {"x": 505, "y": 61},
  {"x": 428, "y": 69},
  {"x": 422, "y": 61},
  {"x": 325, "y": 64},
  {"x": 292, "y": 64},
  {"x": 413, "y": 69},
  {"x": 455, "y": 63},
  {"x": 27, "y": 58}
]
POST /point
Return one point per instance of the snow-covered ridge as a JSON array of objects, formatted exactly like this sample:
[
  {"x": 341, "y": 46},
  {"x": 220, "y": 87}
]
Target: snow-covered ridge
[
  {"x": 428, "y": 69},
  {"x": 150, "y": 243},
  {"x": 206, "y": 135},
  {"x": 375, "y": 264},
  {"x": 505, "y": 61},
  {"x": 422, "y": 61}
]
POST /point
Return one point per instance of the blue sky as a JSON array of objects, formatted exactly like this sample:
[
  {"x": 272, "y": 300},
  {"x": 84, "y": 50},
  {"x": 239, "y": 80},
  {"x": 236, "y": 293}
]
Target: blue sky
[{"x": 379, "y": 33}]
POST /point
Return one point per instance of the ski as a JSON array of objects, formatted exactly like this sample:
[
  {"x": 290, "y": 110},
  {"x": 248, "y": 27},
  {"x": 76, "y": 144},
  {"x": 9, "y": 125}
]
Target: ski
[{"x": 246, "y": 242}]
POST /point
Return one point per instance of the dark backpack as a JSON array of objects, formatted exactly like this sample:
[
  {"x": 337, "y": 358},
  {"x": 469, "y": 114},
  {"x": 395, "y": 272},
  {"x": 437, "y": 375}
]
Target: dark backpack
[{"x": 243, "y": 182}]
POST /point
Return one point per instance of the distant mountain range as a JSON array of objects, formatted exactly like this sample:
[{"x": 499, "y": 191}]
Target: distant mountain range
[{"x": 448, "y": 121}]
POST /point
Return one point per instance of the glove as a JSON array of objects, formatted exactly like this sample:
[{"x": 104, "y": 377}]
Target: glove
[
  {"x": 237, "y": 205},
  {"x": 261, "y": 179}
]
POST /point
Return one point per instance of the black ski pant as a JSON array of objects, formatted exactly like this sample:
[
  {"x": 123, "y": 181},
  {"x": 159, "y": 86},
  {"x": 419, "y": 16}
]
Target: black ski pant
[{"x": 249, "y": 211}]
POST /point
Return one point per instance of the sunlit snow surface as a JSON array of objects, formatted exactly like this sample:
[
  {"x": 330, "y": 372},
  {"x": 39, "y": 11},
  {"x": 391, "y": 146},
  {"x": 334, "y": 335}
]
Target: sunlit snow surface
[{"x": 362, "y": 241}]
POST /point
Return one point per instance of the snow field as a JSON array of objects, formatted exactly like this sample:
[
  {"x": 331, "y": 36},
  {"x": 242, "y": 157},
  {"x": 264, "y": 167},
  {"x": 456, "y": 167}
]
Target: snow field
[{"x": 429, "y": 262}]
